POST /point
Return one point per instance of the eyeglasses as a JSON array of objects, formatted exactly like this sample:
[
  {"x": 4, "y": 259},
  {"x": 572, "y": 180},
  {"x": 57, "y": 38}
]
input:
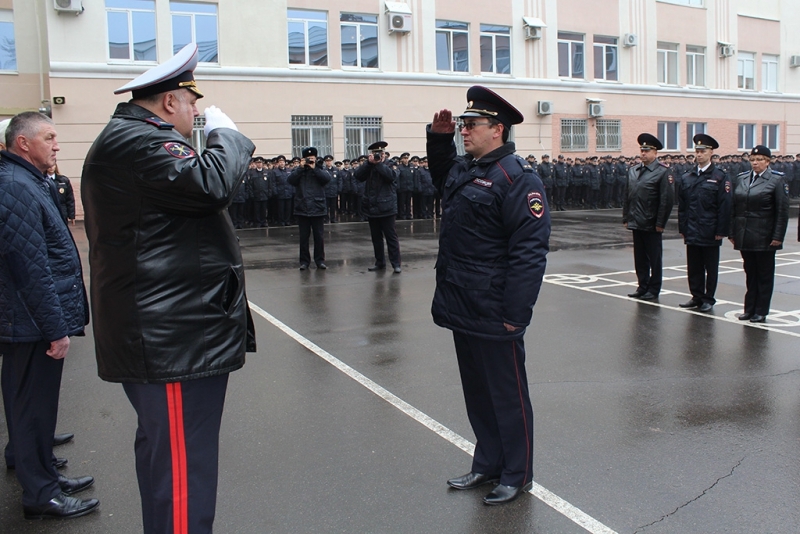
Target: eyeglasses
[
  {"x": 757, "y": 158},
  {"x": 469, "y": 126}
]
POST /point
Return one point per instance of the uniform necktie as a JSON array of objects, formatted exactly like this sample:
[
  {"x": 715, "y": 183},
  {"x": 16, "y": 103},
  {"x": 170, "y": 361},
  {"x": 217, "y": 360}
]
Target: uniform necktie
[{"x": 753, "y": 179}]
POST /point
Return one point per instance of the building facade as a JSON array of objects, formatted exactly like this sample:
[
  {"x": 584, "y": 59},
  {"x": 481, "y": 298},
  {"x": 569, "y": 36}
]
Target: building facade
[{"x": 589, "y": 75}]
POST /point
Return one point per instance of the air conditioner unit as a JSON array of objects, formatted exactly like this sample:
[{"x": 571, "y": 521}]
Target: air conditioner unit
[
  {"x": 68, "y": 6},
  {"x": 544, "y": 107},
  {"x": 794, "y": 61},
  {"x": 596, "y": 110},
  {"x": 726, "y": 51},
  {"x": 399, "y": 17},
  {"x": 533, "y": 27},
  {"x": 629, "y": 40}
]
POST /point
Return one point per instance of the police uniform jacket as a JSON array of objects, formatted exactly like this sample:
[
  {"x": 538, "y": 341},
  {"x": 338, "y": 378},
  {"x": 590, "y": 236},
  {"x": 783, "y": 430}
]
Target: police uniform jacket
[
  {"x": 648, "y": 197},
  {"x": 621, "y": 172},
  {"x": 260, "y": 184},
  {"x": 704, "y": 206},
  {"x": 283, "y": 189},
  {"x": 760, "y": 212},
  {"x": 545, "y": 171},
  {"x": 405, "y": 180},
  {"x": 240, "y": 197},
  {"x": 332, "y": 188},
  {"x": 309, "y": 191},
  {"x": 42, "y": 297},
  {"x": 426, "y": 182},
  {"x": 579, "y": 176},
  {"x": 167, "y": 280},
  {"x": 493, "y": 241},
  {"x": 593, "y": 172},
  {"x": 561, "y": 174},
  {"x": 66, "y": 197},
  {"x": 380, "y": 189}
]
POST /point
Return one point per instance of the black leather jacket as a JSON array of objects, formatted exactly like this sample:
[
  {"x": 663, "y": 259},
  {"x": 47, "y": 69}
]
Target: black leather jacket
[
  {"x": 760, "y": 211},
  {"x": 648, "y": 197},
  {"x": 167, "y": 280}
]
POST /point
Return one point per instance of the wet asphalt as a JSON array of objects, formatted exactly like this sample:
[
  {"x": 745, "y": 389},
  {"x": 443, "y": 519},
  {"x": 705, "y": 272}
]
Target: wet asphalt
[{"x": 648, "y": 418}]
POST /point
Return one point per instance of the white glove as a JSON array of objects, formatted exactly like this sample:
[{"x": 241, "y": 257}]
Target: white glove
[{"x": 216, "y": 118}]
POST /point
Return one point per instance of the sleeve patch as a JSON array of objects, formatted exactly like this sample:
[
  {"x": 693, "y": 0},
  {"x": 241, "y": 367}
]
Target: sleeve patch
[
  {"x": 786, "y": 189},
  {"x": 727, "y": 186},
  {"x": 671, "y": 180},
  {"x": 179, "y": 150},
  {"x": 536, "y": 204}
]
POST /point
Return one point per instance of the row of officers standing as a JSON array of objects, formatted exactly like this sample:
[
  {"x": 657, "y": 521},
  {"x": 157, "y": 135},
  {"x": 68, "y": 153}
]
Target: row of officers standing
[{"x": 267, "y": 196}]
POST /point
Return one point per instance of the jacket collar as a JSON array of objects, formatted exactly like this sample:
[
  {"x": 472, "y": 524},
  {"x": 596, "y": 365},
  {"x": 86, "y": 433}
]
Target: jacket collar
[
  {"x": 6, "y": 155},
  {"x": 494, "y": 155}
]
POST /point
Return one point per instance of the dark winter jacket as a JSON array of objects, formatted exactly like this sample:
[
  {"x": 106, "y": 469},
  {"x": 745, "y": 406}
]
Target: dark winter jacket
[
  {"x": 704, "y": 206},
  {"x": 760, "y": 212},
  {"x": 380, "y": 189},
  {"x": 309, "y": 190},
  {"x": 648, "y": 197}
]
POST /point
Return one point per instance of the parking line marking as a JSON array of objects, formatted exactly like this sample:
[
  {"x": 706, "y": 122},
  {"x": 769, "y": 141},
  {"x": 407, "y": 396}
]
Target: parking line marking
[{"x": 543, "y": 494}]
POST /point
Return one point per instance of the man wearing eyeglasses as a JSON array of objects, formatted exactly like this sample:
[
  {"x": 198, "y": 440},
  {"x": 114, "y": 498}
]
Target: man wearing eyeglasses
[
  {"x": 648, "y": 203},
  {"x": 493, "y": 245}
]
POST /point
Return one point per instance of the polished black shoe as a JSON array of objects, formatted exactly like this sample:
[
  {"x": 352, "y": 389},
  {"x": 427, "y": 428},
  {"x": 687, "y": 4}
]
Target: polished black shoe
[
  {"x": 322, "y": 266},
  {"x": 502, "y": 494},
  {"x": 758, "y": 319},
  {"x": 71, "y": 486},
  {"x": 397, "y": 269},
  {"x": 690, "y": 304},
  {"x": 705, "y": 307},
  {"x": 303, "y": 266},
  {"x": 376, "y": 268},
  {"x": 648, "y": 296},
  {"x": 471, "y": 480},
  {"x": 744, "y": 316},
  {"x": 636, "y": 294},
  {"x": 61, "y": 507},
  {"x": 60, "y": 439}
]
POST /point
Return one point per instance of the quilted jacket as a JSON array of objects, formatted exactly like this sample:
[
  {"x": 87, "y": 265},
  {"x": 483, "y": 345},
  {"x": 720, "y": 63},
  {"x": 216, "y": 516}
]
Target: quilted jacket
[{"x": 42, "y": 297}]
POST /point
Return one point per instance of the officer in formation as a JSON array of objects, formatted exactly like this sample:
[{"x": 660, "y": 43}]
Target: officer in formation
[
  {"x": 309, "y": 182},
  {"x": 492, "y": 254},
  {"x": 648, "y": 203},
  {"x": 332, "y": 189},
  {"x": 546, "y": 173},
  {"x": 261, "y": 190},
  {"x": 66, "y": 197},
  {"x": 704, "y": 214}
]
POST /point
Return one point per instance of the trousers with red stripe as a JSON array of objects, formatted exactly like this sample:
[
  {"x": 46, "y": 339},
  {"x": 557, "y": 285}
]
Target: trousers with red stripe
[
  {"x": 177, "y": 452},
  {"x": 498, "y": 406}
]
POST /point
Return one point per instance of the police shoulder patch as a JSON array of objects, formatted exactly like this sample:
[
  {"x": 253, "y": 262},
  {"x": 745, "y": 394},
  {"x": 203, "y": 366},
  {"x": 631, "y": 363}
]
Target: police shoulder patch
[
  {"x": 536, "y": 204},
  {"x": 179, "y": 150},
  {"x": 727, "y": 186},
  {"x": 786, "y": 189},
  {"x": 671, "y": 179}
]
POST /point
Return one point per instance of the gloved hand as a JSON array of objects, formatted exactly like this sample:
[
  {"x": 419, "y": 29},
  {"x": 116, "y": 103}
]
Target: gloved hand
[{"x": 215, "y": 118}]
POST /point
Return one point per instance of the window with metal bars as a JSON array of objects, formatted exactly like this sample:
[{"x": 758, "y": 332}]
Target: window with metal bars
[
  {"x": 198, "y": 137},
  {"x": 359, "y": 133},
  {"x": 609, "y": 134},
  {"x": 312, "y": 130},
  {"x": 574, "y": 135}
]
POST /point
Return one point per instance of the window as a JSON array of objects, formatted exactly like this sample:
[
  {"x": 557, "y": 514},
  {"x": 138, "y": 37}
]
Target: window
[
  {"x": 747, "y": 70},
  {"x": 570, "y": 55},
  {"x": 769, "y": 73},
  {"x": 308, "y": 38},
  {"x": 692, "y": 129},
  {"x": 359, "y": 40},
  {"x": 359, "y": 133},
  {"x": 609, "y": 134},
  {"x": 195, "y": 23},
  {"x": 198, "y": 135},
  {"x": 312, "y": 130},
  {"x": 667, "y": 63},
  {"x": 668, "y": 135},
  {"x": 769, "y": 136},
  {"x": 495, "y": 49},
  {"x": 131, "y": 30},
  {"x": 574, "y": 135},
  {"x": 605, "y": 58},
  {"x": 695, "y": 66},
  {"x": 452, "y": 46},
  {"x": 8, "y": 46},
  {"x": 747, "y": 136}
]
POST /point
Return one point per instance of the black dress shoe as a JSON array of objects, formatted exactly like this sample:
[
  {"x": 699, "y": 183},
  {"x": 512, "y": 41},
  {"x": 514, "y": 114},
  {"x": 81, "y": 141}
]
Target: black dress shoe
[
  {"x": 60, "y": 439},
  {"x": 648, "y": 296},
  {"x": 322, "y": 266},
  {"x": 705, "y": 307},
  {"x": 397, "y": 269},
  {"x": 71, "y": 486},
  {"x": 690, "y": 304},
  {"x": 636, "y": 294},
  {"x": 61, "y": 507},
  {"x": 502, "y": 494},
  {"x": 471, "y": 480},
  {"x": 303, "y": 266},
  {"x": 376, "y": 268},
  {"x": 758, "y": 319},
  {"x": 744, "y": 316}
]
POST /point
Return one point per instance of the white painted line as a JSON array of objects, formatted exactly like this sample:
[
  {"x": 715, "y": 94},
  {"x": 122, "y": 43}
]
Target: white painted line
[{"x": 549, "y": 498}]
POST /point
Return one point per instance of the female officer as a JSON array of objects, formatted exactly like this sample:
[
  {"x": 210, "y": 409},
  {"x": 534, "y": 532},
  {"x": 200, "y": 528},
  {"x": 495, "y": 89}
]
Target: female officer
[{"x": 759, "y": 220}]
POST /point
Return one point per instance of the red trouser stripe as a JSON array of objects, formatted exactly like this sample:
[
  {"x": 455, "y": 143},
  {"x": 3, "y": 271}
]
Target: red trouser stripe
[
  {"x": 180, "y": 493},
  {"x": 524, "y": 416}
]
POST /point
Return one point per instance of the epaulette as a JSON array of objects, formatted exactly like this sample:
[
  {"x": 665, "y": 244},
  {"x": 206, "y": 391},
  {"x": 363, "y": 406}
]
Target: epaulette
[
  {"x": 526, "y": 167},
  {"x": 779, "y": 173},
  {"x": 153, "y": 121},
  {"x": 743, "y": 173}
]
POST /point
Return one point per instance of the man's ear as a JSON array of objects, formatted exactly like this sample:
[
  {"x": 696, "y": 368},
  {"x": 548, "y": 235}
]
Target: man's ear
[{"x": 169, "y": 102}]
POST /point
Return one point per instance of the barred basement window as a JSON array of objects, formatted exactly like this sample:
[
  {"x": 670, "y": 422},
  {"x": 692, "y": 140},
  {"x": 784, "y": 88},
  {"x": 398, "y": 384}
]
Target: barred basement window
[
  {"x": 198, "y": 137},
  {"x": 359, "y": 133},
  {"x": 574, "y": 135},
  {"x": 312, "y": 130},
  {"x": 609, "y": 134}
]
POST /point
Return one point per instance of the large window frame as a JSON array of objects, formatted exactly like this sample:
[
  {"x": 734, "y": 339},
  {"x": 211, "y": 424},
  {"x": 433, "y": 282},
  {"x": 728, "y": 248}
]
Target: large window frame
[
  {"x": 606, "y": 58},
  {"x": 201, "y": 22},
  {"x": 8, "y": 42},
  {"x": 746, "y": 71},
  {"x": 307, "y": 38},
  {"x": 770, "y": 136},
  {"x": 571, "y": 55},
  {"x": 769, "y": 73},
  {"x": 312, "y": 130},
  {"x": 669, "y": 134},
  {"x": 131, "y": 17},
  {"x": 452, "y": 46},
  {"x": 747, "y": 136},
  {"x": 692, "y": 129},
  {"x": 608, "y": 134},
  {"x": 495, "y": 49},
  {"x": 359, "y": 133},
  {"x": 695, "y": 66},
  {"x": 574, "y": 135},
  {"x": 359, "y": 34},
  {"x": 667, "y": 63}
]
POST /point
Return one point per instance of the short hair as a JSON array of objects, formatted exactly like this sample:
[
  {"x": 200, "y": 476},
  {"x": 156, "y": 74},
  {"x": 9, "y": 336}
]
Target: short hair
[
  {"x": 506, "y": 129},
  {"x": 27, "y": 124}
]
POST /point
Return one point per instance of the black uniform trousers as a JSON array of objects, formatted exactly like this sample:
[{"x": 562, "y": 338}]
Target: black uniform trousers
[
  {"x": 260, "y": 215},
  {"x": 236, "y": 211},
  {"x": 379, "y": 228},
  {"x": 307, "y": 225},
  {"x": 330, "y": 205},
  {"x": 498, "y": 406},
  {"x": 759, "y": 270},
  {"x": 31, "y": 383},
  {"x": 284, "y": 209},
  {"x": 177, "y": 452},
  {"x": 702, "y": 269},
  {"x": 647, "y": 260},
  {"x": 404, "y": 204}
]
